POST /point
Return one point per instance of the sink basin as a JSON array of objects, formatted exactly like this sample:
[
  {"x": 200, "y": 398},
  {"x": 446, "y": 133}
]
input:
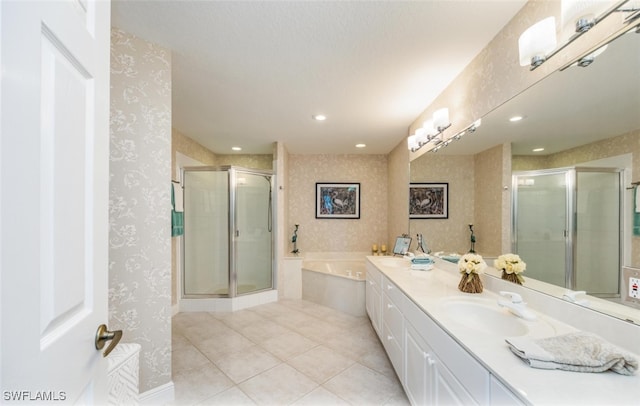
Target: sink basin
[
  {"x": 484, "y": 315},
  {"x": 395, "y": 262}
]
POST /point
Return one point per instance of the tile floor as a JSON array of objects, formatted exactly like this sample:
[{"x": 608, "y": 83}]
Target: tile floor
[{"x": 291, "y": 352}]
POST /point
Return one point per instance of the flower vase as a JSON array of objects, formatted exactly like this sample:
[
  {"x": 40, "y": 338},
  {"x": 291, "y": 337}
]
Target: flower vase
[
  {"x": 470, "y": 283},
  {"x": 512, "y": 277}
]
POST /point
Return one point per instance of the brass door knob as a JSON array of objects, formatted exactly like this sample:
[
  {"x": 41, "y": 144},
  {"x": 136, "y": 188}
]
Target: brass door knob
[{"x": 103, "y": 335}]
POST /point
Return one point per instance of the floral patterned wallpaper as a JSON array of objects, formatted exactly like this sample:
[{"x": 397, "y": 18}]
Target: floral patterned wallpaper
[
  {"x": 333, "y": 235},
  {"x": 139, "y": 202}
]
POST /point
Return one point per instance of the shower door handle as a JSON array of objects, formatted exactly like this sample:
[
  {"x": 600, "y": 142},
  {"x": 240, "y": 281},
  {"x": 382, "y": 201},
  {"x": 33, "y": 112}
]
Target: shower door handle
[{"x": 237, "y": 233}]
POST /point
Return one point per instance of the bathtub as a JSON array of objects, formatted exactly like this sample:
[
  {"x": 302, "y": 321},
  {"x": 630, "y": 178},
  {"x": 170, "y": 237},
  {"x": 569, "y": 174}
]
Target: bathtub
[{"x": 335, "y": 283}]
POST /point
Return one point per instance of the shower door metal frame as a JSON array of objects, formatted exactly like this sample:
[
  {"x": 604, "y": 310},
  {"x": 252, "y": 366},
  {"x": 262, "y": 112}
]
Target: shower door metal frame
[
  {"x": 571, "y": 229},
  {"x": 232, "y": 228}
]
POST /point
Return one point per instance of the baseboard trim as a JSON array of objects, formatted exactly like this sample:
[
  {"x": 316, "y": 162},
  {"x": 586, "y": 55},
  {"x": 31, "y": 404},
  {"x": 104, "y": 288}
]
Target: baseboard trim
[{"x": 159, "y": 395}]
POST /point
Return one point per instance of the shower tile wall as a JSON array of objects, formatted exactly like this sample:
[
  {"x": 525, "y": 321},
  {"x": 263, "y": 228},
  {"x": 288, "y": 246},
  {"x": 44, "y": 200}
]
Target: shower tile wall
[{"x": 139, "y": 202}]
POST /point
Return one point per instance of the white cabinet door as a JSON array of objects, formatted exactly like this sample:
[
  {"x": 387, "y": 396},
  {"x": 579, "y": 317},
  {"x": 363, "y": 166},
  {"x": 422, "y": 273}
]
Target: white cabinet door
[
  {"x": 501, "y": 396},
  {"x": 418, "y": 364},
  {"x": 448, "y": 390}
]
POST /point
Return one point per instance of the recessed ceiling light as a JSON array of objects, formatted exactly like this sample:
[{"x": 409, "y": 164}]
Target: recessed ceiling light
[
  {"x": 515, "y": 118},
  {"x": 319, "y": 117},
  {"x": 361, "y": 145},
  {"x": 236, "y": 148},
  {"x": 538, "y": 149}
]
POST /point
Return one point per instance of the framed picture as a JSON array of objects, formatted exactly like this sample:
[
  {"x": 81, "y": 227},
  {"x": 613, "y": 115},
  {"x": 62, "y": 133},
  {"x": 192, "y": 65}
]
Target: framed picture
[
  {"x": 429, "y": 200},
  {"x": 337, "y": 200}
]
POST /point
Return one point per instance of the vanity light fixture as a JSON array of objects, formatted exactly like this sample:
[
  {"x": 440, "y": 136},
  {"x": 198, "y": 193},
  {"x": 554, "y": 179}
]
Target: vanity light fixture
[
  {"x": 537, "y": 44},
  {"x": 438, "y": 143},
  {"x": 430, "y": 130}
]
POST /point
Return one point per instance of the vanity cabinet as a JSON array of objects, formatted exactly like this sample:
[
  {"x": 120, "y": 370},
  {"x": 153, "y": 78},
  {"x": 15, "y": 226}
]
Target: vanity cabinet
[{"x": 433, "y": 368}]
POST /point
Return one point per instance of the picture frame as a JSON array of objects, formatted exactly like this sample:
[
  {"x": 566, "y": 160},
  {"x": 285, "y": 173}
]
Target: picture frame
[
  {"x": 337, "y": 200},
  {"x": 429, "y": 200}
]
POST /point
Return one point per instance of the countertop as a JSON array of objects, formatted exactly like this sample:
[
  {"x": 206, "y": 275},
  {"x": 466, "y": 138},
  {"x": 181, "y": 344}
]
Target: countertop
[{"x": 429, "y": 290}]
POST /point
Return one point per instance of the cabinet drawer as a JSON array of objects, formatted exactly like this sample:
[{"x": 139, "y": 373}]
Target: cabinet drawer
[
  {"x": 373, "y": 274},
  {"x": 393, "y": 318},
  {"x": 395, "y": 294},
  {"x": 394, "y": 350}
]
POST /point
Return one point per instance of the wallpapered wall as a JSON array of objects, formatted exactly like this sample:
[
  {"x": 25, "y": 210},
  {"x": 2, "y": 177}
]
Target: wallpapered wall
[
  {"x": 452, "y": 234},
  {"x": 336, "y": 234},
  {"x": 139, "y": 202}
]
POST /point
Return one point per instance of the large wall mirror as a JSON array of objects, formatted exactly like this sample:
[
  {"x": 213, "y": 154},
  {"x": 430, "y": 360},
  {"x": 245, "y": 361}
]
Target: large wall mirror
[{"x": 584, "y": 118}]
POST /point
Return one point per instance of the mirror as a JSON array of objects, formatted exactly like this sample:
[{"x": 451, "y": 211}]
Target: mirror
[{"x": 578, "y": 115}]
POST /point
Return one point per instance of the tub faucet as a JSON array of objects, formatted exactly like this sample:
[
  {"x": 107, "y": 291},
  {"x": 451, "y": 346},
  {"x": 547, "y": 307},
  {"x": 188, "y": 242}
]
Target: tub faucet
[{"x": 516, "y": 305}]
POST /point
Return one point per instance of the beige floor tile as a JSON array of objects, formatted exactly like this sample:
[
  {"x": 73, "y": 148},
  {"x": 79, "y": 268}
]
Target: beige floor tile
[
  {"x": 217, "y": 347},
  {"x": 263, "y": 330},
  {"x": 178, "y": 341},
  {"x": 187, "y": 358},
  {"x": 288, "y": 345},
  {"x": 230, "y": 397},
  {"x": 195, "y": 385},
  {"x": 239, "y": 319},
  {"x": 271, "y": 310},
  {"x": 321, "y": 363},
  {"x": 376, "y": 358},
  {"x": 188, "y": 319},
  {"x": 206, "y": 330},
  {"x": 278, "y": 386},
  {"x": 244, "y": 364},
  {"x": 360, "y": 385},
  {"x": 321, "y": 397}
]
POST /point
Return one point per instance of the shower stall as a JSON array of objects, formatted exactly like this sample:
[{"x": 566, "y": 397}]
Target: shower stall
[
  {"x": 228, "y": 238},
  {"x": 567, "y": 227}
]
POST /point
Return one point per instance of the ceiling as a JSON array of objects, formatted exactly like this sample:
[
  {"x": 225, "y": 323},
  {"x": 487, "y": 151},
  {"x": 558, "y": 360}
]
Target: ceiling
[{"x": 248, "y": 73}]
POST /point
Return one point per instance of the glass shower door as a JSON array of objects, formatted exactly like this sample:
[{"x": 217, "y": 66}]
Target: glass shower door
[
  {"x": 540, "y": 224},
  {"x": 597, "y": 248},
  {"x": 206, "y": 238},
  {"x": 253, "y": 231}
]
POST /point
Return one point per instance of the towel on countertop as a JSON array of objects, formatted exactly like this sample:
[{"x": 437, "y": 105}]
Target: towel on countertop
[
  {"x": 421, "y": 263},
  {"x": 579, "y": 352},
  {"x": 421, "y": 260}
]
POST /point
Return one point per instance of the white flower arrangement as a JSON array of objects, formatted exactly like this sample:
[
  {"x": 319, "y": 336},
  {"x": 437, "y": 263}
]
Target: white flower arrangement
[
  {"x": 470, "y": 266},
  {"x": 511, "y": 264},
  {"x": 471, "y": 263}
]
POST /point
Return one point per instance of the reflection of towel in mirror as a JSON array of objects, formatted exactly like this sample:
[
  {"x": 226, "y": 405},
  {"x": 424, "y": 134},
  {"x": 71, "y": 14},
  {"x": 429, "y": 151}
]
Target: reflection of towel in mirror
[{"x": 579, "y": 352}]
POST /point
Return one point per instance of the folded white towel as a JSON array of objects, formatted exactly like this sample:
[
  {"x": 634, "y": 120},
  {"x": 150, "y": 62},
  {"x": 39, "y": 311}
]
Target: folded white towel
[{"x": 579, "y": 352}]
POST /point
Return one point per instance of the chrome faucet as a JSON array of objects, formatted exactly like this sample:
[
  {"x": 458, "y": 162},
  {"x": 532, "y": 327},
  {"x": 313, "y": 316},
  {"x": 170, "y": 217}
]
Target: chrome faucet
[
  {"x": 421, "y": 245},
  {"x": 571, "y": 296},
  {"x": 516, "y": 305}
]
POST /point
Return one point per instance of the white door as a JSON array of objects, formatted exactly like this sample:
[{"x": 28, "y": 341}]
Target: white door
[{"x": 54, "y": 198}]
